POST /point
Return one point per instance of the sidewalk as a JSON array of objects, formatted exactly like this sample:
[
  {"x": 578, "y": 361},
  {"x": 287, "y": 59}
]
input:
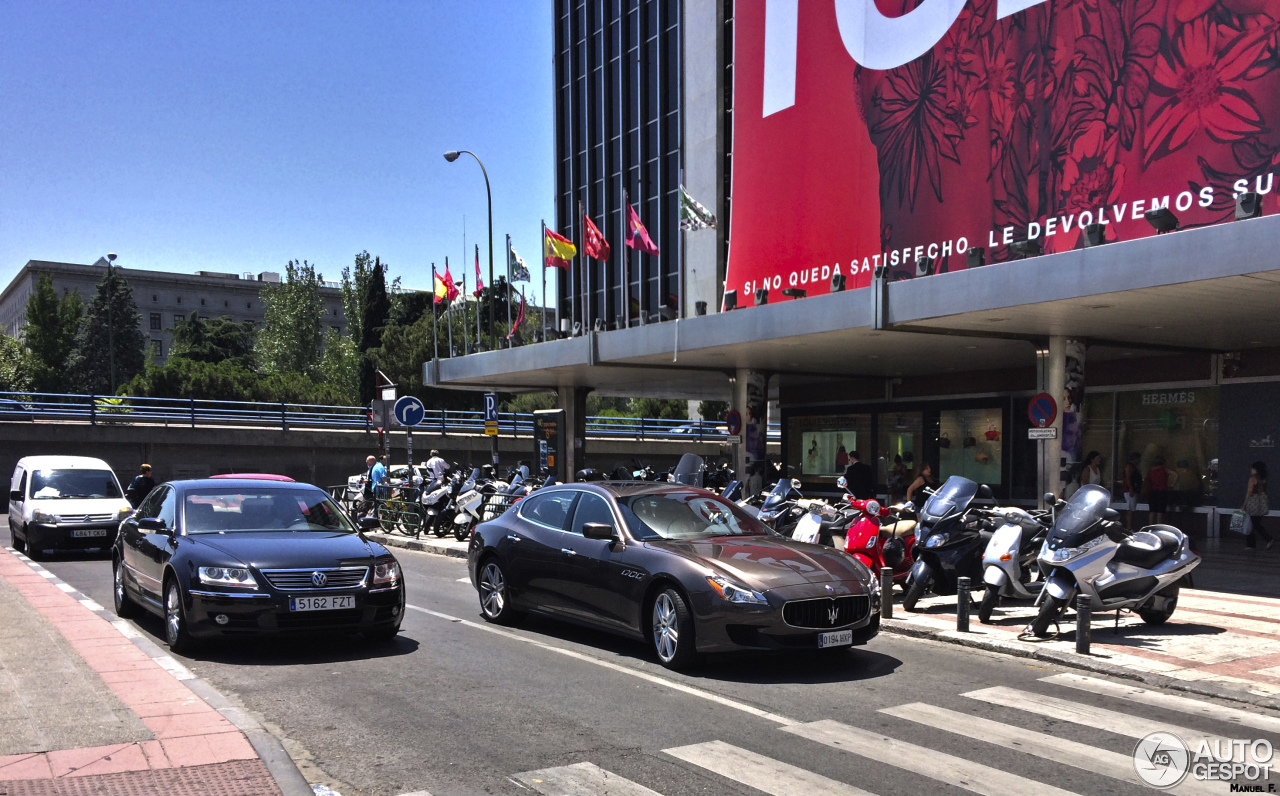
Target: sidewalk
[
  {"x": 1217, "y": 644},
  {"x": 84, "y": 708},
  {"x": 446, "y": 546}
]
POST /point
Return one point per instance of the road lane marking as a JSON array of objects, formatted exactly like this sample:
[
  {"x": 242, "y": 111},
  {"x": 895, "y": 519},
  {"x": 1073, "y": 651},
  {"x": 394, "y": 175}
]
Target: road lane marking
[
  {"x": 66, "y": 587},
  {"x": 760, "y": 772},
  {"x": 582, "y": 779},
  {"x": 686, "y": 689},
  {"x": 464, "y": 580},
  {"x": 921, "y": 760},
  {"x": 1179, "y": 704},
  {"x": 89, "y": 603},
  {"x": 1059, "y": 750}
]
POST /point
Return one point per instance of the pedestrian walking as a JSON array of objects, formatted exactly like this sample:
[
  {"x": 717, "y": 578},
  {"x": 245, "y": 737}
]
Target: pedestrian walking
[
  {"x": 375, "y": 473},
  {"x": 140, "y": 486},
  {"x": 860, "y": 480},
  {"x": 1159, "y": 482},
  {"x": 1092, "y": 473},
  {"x": 1132, "y": 485},
  {"x": 916, "y": 492},
  {"x": 1256, "y": 506}
]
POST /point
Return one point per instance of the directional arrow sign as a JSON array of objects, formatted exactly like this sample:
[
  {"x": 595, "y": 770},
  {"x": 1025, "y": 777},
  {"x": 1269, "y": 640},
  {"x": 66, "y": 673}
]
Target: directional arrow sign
[{"x": 409, "y": 411}]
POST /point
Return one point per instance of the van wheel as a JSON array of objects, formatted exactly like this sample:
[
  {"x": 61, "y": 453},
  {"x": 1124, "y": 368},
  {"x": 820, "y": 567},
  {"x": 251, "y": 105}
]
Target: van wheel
[
  {"x": 33, "y": 547},
  {"x": 1161, "y": 606},
  {"x": 19, "y": 543}
]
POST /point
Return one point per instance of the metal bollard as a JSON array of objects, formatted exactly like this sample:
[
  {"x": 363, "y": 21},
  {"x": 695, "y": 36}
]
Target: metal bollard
[
  {"x": 1084, "y": 623},
  {"x": 962, "y": 604},
  {"x": 886, "y": 592}
]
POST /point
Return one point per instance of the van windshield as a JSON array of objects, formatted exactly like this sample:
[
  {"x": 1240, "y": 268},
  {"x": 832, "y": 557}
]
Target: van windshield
[{"x": 69, "y": 484}]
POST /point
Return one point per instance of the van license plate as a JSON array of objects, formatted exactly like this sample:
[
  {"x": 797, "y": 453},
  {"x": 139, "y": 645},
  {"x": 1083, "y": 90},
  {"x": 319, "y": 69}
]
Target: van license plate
[
  {"x": 81, "y": 533},
  {"x": 836, "y": 639},
  {"x": 321, "y": 603}
]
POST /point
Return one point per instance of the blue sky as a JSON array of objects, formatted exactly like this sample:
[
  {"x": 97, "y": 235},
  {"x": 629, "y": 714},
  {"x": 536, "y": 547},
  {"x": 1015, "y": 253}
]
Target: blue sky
[{"x": 234, "y": 136}]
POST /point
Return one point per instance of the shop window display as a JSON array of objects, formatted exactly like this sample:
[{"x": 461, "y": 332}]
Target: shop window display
[
  {"x": 970, "y": 444},
  {"x": 898, "y": 435},
  {"x": 820, "y": 447},
  {"x": 1178, "y": 427}
]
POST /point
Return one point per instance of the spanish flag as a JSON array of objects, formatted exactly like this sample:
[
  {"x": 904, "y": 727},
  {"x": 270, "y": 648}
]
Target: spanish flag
[
  {"x": 557, "y": 250},
  {"x": 445, "y": 289}
]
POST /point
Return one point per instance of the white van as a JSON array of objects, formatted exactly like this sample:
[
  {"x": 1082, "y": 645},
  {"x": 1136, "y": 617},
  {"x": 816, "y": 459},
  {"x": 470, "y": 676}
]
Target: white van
[{"x": 64, "y": 503}]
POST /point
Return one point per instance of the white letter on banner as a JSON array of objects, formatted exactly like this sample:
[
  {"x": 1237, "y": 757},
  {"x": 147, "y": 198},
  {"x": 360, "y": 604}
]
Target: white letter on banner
[
  {"x": 780, "y": 54},
  {"x": 879, "y": 42},
  {"x": 1006, "y": 8}
]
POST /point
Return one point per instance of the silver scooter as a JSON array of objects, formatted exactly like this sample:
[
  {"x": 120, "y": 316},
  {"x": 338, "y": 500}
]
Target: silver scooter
[
  {"x": 1009, "y": 560},
  {"x": 1089, "y": 552}
]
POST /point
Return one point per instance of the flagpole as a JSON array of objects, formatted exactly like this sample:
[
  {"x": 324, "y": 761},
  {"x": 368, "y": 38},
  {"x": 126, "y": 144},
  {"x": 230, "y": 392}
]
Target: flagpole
[
  {"x": 479, "y": 296},
  {"x": 466, "y": 317},
  {"x": 544, "y": 287},
  {"x": 435, "y": 316},
  {"x": 573, "y": 275},
  {"x": 508, "y": 284},
  {"x": 448, "y": 307},
  {"x": 622, "y": 261}
]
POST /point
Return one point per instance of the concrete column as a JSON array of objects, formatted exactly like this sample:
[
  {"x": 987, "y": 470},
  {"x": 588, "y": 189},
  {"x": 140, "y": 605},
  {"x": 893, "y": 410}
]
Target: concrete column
[
  {"x": 751, "y": 399},
  {"x": 573, "y": 400},
  {"x": 1063, "y": 378}
]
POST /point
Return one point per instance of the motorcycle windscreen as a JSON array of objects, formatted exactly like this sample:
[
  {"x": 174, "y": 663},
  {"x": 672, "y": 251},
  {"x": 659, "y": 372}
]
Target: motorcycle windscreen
[
  {"x": 954, "y": 495},
  {"x": 1076, "y": 522},
  {"x": 778, "y": 495},
  {"x": 690, "y": 470}
]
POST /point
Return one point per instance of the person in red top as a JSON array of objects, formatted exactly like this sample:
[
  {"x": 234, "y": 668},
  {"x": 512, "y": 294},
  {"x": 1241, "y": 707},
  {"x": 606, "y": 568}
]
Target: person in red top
[{"x": 1159, "y": 482}]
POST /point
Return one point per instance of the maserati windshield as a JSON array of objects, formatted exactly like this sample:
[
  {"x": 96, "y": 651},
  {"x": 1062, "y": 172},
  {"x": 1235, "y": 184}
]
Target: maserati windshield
[
  {"x": 262, "y": 509},
  {"x": 691, "y": 514}
]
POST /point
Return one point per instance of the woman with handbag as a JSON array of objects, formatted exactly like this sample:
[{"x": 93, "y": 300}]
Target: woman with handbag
[{"x": 1255, "y": 504}]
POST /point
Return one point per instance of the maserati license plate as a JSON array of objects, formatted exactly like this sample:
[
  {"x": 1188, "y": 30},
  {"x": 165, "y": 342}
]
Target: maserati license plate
[
  {"x": 836, "y": 639},
  {"x": 321, "y": 603},
  {"x": 81, "y": 533}
]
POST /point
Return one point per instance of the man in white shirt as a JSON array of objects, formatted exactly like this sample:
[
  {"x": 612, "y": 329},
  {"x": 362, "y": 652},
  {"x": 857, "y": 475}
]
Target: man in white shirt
[{"x": 437, "y": 466}]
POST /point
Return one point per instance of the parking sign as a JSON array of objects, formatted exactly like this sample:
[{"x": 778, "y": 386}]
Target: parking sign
[{"x": 491, "y": 414}]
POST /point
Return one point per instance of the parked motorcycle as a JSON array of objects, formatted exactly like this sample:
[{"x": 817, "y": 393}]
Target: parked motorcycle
[
  {"x": 1009, "y": 560},
  {"x": 780, "y": 510},
  {"x": 950, "y": 539},
  {"x": 469, "y": 502},
  {"x": 878, "y": 536},
  {"x": 1089, "y": 552}
]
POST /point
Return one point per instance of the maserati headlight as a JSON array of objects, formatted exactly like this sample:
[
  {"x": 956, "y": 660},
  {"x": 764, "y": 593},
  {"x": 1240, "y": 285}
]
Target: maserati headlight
[
  {"x": 228, "y": 576},
  {"x": 40, "y": 515},
  {"x": 735, "y": 593}
]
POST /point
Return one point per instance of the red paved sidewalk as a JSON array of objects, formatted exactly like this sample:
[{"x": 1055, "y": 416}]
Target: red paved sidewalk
[{"x": 195, "y": 749}]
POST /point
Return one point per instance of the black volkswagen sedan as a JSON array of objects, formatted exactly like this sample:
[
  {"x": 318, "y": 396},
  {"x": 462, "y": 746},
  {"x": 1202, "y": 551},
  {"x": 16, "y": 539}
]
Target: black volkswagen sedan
[
  {"x": 675, "y": 566},
  {"x": 227, "y": 557}
]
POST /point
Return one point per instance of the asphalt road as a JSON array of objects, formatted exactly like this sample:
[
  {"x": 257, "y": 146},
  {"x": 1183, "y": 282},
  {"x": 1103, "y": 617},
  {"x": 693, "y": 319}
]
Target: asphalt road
[{"x": 458, "y": 707}]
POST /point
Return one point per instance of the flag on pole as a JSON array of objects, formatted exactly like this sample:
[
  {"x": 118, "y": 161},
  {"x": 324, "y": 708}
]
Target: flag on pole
[
  {"x": 637, "y": 236},
  {"x": 519, "y": 318},
  {"x": 445, "y": 289},
  {"x": 516, "y": 265},
  {"x": 692, "y": 214},
  {"x": 479, "y": 283},
  {"x": 557, "y": 250},
  {"x": 593, "y": 242}
]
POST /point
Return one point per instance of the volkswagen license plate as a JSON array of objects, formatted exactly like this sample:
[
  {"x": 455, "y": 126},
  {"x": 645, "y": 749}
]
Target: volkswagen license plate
[
  {"x": 836, "y": 639},
  {"x": 81, "y": 533},
  {"x": 321, "y": 603}
]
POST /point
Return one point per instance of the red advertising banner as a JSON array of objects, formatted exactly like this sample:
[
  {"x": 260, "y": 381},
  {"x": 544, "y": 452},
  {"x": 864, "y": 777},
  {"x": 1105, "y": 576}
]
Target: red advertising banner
[{"x": 869, "y": 132}]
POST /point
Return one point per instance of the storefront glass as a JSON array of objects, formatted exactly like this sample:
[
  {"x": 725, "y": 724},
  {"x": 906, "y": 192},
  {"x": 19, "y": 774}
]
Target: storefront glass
[
  {"x": 970, "y": 444},
  {"x": 1176, "y": 427},
  {"x": 819, "y": 447},
  {"x": 899, "y": 440},
  {"x": 1099, "y": 435}
]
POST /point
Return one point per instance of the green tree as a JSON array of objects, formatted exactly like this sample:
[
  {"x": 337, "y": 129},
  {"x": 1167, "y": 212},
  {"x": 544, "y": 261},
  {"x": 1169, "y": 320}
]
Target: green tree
[
  {"x": 713, "y": 410},
  {"x": 50, "y": 334},
  {"x": 290, "y": 339},
  {"x": 15, "y": 371},
  {"x": 339, "y": 371},
  {"x": 529, "y": 402},
  {"x": 109, "y": 347},
  {"x": 664, "y": 408},
  {"x": 375, "y": 307},
  {"x": 216, "y": 340},
  {"x": 354, "y": 285}
]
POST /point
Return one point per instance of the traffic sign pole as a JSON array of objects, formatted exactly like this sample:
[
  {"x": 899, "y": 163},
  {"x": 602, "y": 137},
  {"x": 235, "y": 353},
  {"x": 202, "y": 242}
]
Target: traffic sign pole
[{"x": 491, "y": 423}]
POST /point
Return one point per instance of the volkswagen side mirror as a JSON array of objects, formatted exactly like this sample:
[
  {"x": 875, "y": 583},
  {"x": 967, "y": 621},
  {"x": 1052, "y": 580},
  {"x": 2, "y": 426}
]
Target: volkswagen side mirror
[
  {"x": 153, "y": 525},
  {"x": 368, "y": 524},
  {"x": 598, "y": 530}
]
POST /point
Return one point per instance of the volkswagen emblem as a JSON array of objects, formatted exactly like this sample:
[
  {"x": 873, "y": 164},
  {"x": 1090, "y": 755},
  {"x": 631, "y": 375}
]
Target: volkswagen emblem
[
  {"x": 832, "y": 614},
  {"x": 319, "y": 579}
]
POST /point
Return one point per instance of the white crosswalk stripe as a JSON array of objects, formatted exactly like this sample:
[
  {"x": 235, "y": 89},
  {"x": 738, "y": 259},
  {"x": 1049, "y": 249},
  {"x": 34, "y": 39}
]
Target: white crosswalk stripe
[
  {"x": 760, "y": 772},
  {"x": 1144, "y": 696},
  {"x": 921, "y": 760},
  {"x": 1078, "y": 713},
  {"x": 1060, "y": 750},
  {"x": 581, "y": 779}
]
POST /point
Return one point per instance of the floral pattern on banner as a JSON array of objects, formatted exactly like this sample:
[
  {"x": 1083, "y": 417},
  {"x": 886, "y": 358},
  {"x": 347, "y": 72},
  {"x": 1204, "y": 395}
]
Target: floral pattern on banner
[{"x": 1083, "y": 102}]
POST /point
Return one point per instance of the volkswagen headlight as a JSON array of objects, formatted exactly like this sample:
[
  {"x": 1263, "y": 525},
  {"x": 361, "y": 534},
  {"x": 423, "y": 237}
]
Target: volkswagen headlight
[
  {"x": 239, "y": 577},
  {"x": 735, "y": 593},
  {"x": 1067, "y": 553},
  {"x": 386, "y": 573},
  {"x": 39, "y": 515},
  {"x": 937, "y": 540}
]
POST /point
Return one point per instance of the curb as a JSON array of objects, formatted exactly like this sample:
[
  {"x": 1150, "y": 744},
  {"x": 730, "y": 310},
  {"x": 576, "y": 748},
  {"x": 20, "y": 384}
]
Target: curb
[
  {"x": 438, "y": 547},
  {"x": 272, "y": 753},
  {"x": 905, "y": 628}
]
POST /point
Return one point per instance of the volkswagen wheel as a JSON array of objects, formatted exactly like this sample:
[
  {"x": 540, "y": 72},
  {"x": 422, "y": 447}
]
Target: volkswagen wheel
[{"x": 175, "y": 619}]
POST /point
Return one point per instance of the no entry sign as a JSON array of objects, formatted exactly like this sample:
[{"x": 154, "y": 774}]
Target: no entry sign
[{"x": 1042, "y": 410}]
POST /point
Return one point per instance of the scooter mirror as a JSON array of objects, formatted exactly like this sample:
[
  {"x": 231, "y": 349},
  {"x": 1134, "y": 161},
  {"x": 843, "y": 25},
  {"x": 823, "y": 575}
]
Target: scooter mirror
[
  {"x": 842, "y": 482},
  {"x": 795, "y": 483},
  {"x": 1111, "y": 514},
  {"x": 1050, "y": 499},
  {"x": 985, "y": 493},
  {"x": 909, "y": 506}
]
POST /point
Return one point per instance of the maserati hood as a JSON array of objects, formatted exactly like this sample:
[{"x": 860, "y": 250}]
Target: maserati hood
[{"x": 764, "y": 563}]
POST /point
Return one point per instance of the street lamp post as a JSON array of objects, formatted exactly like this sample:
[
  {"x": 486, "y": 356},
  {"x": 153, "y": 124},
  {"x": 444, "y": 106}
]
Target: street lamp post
[{"x": 451, "y": 156}]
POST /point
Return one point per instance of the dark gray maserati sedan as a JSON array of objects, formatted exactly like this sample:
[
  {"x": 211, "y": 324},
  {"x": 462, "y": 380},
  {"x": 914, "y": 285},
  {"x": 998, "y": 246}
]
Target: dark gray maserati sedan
[{"x": 675, "y": 566}]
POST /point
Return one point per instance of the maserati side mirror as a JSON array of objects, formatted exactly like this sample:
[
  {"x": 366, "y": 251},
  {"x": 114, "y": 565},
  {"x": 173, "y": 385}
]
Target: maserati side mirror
[{"x": 597, "y": 530}]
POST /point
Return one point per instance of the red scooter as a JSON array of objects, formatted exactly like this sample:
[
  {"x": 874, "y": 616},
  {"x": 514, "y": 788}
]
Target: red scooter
[{"x": 876, "y": 542}]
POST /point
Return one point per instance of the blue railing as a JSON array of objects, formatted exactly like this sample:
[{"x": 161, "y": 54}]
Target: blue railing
[{"x": 205, "y": 413}]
